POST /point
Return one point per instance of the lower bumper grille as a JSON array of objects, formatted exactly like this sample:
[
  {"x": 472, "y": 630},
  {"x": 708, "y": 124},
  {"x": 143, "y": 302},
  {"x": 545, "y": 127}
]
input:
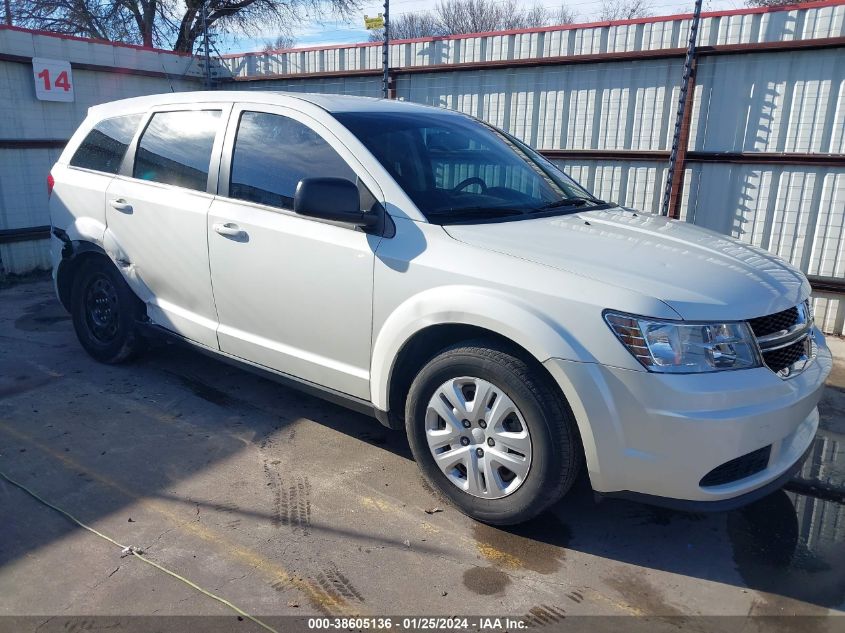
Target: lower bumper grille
[{"x": 738, "y": 468}]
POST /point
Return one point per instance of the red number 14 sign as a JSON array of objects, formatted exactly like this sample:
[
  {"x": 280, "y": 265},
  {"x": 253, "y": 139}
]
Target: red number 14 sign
[{"x": 53, "y": 79}]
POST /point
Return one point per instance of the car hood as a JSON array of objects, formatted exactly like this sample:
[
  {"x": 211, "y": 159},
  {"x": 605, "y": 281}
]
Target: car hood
[{"x": 700, "y": 274}]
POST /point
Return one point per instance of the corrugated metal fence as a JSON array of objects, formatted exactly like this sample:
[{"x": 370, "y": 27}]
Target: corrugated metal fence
[
  {"x": 766, "y": 148},
  {"x": 766, "y": 141}
]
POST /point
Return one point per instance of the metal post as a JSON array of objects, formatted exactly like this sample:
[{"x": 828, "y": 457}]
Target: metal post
[
  {"x": 2, "y": 270},
  {"x": 385, "y": 53},
  {"x": 680, "y": 139},
  {"x": 205, "y": 42}
]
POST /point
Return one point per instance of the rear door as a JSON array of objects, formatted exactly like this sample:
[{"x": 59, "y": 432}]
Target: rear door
[
  {"x": 293, "y": 293},
  {"x": 156, "y": 211}
]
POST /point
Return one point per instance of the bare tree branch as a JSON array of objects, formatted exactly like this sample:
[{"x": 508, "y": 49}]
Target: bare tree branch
[
  {"x": 773, "y": 3},
  {"x": 411, "y": 25},
  {"x": 280, "y": 43},
  {"x": 451, "y": 17},
  {"x": 563, "y": 15},
  {"x": 170, "y": 23},
  {"x": 624, "y": 9}
]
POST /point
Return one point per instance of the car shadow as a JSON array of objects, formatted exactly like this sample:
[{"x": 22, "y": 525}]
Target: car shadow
[{"x": 787, "y": 544}]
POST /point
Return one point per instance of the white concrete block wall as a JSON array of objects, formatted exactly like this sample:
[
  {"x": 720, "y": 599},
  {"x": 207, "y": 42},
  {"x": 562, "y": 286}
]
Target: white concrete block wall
[
  {"x": 23, "y": 203},
  {"x": 23, "y": 118},
  {"x": 23, "y": 186},
  {"x": 77, "y": 50}
]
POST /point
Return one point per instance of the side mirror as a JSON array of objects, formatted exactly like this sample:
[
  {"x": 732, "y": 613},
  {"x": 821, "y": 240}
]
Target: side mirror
[{"x": 331, "y": 199}]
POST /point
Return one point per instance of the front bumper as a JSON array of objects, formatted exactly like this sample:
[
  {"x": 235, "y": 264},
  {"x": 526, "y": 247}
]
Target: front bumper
[
  {"x": 721, "y": 505},
  {"x": 654, "y": 436}
]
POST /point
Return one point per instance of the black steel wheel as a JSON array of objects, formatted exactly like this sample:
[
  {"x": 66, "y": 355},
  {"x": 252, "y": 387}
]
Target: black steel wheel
[
  {"x": 102, "y": 308},
  {"x": 105, "y": 312}
]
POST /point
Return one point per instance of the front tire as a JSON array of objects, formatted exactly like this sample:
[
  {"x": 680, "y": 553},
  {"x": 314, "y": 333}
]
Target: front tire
[
  {"x": 489, "y": 430},
  {"x": 105, "y": 312}
]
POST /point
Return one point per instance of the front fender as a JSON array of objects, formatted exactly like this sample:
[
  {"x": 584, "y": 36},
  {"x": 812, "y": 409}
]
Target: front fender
[{"x": 508, "y": 316}]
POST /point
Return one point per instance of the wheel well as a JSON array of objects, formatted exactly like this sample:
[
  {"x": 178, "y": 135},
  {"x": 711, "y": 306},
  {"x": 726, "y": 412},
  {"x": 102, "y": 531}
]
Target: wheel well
[
  {"x": 425, "y": 345},
  {"x": 68, "y": 269}
]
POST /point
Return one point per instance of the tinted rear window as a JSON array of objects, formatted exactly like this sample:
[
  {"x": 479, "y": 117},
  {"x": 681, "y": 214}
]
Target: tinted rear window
[
  {"x": 175, "y": 149},
  {"x": 104, "y": 147}
]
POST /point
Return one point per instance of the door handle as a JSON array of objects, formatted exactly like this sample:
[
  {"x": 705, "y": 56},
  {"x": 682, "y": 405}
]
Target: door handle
[
  {"x": 121, "y": 205},
  {"x": 229, "y": 229}
]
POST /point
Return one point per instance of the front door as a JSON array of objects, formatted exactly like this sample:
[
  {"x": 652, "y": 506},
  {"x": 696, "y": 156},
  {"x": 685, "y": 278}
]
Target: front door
[{"x": 292, "y": 293}]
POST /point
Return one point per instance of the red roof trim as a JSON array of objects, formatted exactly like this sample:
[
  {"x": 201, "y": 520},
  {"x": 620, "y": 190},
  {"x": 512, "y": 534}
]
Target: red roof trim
[
  {"x": 561, "y": 27},
  {"x": 89, "y": 40}
]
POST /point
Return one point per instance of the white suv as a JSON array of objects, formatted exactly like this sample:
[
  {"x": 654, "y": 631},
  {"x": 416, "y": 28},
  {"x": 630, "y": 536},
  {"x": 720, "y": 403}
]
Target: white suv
[{"x": 433, "y": 271}]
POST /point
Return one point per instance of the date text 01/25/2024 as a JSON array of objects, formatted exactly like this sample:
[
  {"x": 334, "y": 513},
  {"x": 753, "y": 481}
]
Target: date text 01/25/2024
[{"x": 418, "y": 623}]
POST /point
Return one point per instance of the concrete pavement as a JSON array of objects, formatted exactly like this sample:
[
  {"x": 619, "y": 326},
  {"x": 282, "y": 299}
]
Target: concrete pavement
[{"x": 286, "y": 505}]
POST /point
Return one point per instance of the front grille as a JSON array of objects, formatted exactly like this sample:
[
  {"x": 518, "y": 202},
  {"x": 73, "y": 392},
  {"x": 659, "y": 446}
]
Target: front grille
[
  {"x": 785, "y": 357},
  {"x": 765, "y": 325},
  {"x": 738, "y": 468},
  {"x": 786, "y": 339}
]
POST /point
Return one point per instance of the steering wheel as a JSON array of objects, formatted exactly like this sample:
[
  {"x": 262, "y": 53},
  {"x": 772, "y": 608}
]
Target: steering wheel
[{"x": 473, "y": 180}]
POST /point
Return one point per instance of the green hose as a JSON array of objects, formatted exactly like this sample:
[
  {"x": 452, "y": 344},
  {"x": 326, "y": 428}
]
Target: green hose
[{"x": 127, "y": 550}]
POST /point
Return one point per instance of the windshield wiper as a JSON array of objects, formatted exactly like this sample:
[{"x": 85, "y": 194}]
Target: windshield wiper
[
  {"x": 576, "y": 201},
  {"x": 476, "y": 212}
]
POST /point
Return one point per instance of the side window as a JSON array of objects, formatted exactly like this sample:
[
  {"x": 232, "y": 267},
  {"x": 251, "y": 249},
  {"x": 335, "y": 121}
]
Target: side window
[
  {"x": 273, "y": 153},
  {"x": 175, "y": 149},
  {"x": 104, "y": 146}
]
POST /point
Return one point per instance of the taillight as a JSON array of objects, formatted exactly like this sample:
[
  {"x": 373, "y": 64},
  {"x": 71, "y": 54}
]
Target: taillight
[{"x": 50, "y": 184}]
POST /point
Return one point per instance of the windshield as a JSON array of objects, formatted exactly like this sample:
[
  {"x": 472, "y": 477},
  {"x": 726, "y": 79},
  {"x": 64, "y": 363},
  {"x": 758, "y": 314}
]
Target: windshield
[{"x": 458, "y": 169}]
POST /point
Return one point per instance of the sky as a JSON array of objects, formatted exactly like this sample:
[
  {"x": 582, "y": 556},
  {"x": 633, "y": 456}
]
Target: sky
[{"x": 330, "y": 31}]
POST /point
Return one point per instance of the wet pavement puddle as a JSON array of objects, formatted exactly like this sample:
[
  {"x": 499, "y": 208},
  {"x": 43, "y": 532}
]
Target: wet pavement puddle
[
  {"x": 793, "y": 546},
  {"x": 539, "y": 545},
  {"x": 486, "y": 581}
]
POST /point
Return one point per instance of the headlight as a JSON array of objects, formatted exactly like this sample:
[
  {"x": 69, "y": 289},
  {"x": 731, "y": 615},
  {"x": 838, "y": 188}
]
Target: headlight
[{"x": 685, "y": 348}]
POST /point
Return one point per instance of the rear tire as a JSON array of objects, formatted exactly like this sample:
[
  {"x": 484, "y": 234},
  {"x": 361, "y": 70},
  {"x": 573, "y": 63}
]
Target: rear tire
[
  {"x": 540, "y": 432},
  {"x": 105, "y": 312}
]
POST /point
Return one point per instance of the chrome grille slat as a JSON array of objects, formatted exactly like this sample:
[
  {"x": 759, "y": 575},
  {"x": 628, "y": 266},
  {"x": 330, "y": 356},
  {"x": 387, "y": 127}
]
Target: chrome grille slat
[
  {"x": 785, "y": 339},
  {"x": 795, "y": 331}
]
